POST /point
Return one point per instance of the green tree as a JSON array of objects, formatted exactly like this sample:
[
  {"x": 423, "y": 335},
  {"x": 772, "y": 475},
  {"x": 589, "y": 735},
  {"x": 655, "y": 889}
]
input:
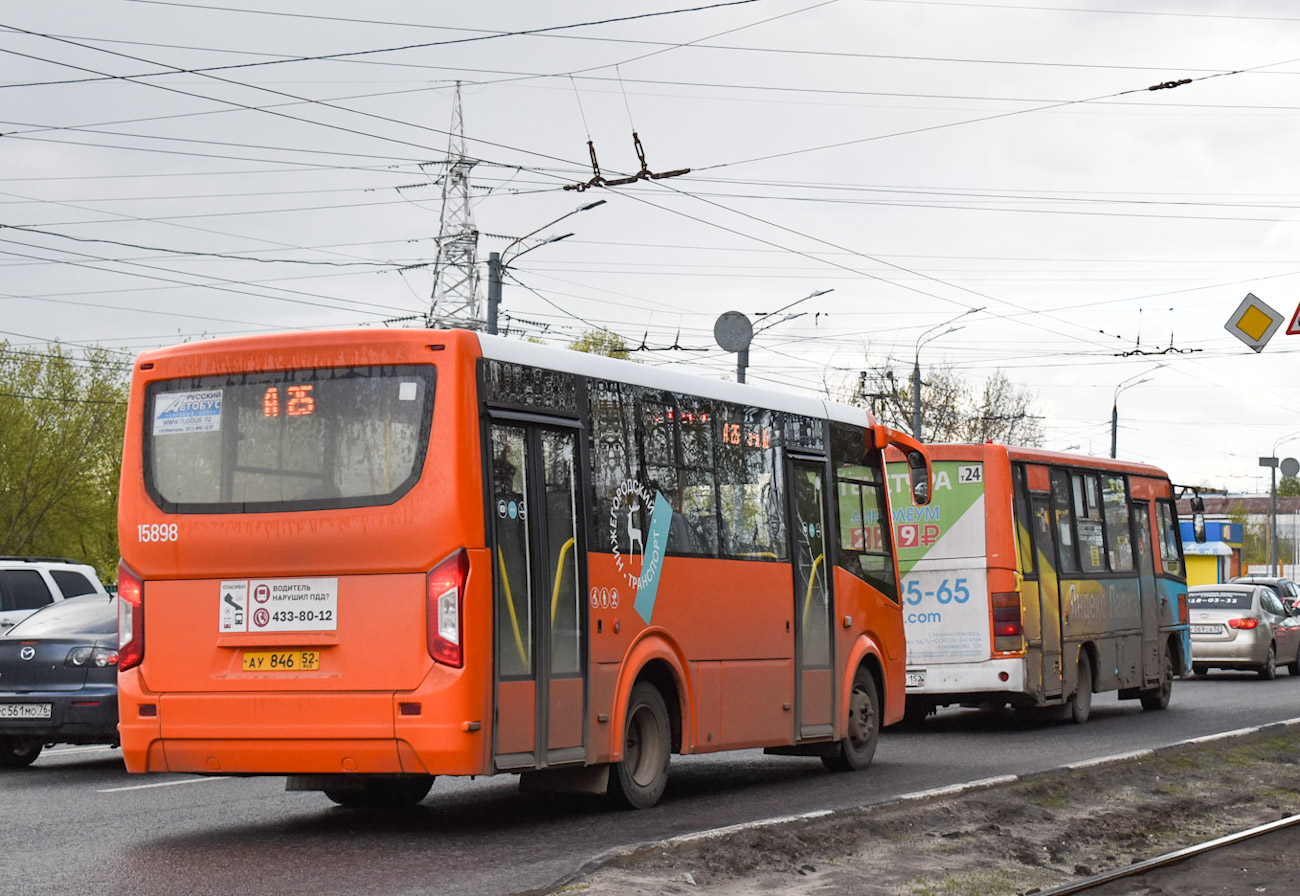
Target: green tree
[
  {"x": 1288, "y": 487},
  {"x": 61, "y": 423},
  {"x": 601, "y": 342},
  {"x": 952, "y": 410}
]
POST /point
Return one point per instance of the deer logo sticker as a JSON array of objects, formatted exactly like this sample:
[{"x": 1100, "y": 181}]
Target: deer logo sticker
[{"x": 643, "y": 562}]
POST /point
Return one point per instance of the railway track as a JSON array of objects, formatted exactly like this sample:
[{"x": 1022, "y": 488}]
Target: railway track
[{"x": 1110, "y": 883}]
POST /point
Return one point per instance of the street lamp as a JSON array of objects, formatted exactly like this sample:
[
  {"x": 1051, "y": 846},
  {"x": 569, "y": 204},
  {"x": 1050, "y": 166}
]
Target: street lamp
[
  {"x": 916, "y": 365},
  {"x": 497, "y": 263},
  {"x": 1114, "y": 404}
]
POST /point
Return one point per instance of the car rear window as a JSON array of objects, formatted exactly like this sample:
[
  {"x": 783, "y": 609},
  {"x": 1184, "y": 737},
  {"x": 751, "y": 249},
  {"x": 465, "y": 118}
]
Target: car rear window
[
  {"x": 23, "y": 589},
  {"x": 93, "y": 615},
  {"x": 1227, "y": 600},
  {"x": 71, "y": 582}
]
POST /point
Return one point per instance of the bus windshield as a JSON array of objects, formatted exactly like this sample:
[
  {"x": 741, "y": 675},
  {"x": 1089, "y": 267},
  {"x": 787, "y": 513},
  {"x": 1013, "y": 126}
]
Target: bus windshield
[{"x": 287, "y": 440}]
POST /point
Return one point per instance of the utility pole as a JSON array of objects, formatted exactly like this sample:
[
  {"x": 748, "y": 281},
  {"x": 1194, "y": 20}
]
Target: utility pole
[{"x": 454, "y": 302}]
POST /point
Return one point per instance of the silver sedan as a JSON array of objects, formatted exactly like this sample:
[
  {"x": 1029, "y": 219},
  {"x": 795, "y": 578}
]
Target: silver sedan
[{"x": 1240, "y": 626}]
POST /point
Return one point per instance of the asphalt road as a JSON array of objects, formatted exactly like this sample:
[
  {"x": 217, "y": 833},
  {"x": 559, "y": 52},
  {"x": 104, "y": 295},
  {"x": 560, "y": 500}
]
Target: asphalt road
[{"x": 76, "y": 822}]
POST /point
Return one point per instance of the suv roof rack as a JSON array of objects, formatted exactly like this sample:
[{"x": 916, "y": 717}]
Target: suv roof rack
[{"x": 43, "y": 560}]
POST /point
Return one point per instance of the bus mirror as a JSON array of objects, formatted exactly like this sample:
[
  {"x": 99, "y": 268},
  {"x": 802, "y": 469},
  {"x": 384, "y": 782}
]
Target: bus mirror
[
  {"x": 1198, "y": 519},
  {"x": 919, "y": 474}
]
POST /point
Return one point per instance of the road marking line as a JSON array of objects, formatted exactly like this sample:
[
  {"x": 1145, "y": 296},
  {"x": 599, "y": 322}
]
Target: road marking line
[{"x": 161, "y": 784}]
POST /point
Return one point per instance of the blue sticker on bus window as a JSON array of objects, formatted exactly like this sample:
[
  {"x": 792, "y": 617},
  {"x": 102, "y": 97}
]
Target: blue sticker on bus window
[{"x": 653, "y": 559}]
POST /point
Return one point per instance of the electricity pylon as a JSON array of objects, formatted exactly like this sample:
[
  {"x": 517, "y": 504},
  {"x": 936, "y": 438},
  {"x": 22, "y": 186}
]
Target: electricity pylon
[{"x": 455, "y": 272}]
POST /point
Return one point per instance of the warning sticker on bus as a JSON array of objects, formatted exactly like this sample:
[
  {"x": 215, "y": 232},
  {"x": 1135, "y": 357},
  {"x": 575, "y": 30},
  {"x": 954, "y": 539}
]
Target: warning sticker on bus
[
  {"x": 279, "y": 605},
  {"x": 183, "y": 412}
]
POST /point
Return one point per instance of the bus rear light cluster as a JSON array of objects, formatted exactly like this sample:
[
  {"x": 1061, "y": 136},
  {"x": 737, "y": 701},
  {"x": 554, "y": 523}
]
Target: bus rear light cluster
[
  {"x": 130, "y": 618},
  {"x": 1007, "y": 625},
  {"x": 1248, "y": 622},
  {"x": 445, "y": 588},
  {"x": 1182, "y": 608}
]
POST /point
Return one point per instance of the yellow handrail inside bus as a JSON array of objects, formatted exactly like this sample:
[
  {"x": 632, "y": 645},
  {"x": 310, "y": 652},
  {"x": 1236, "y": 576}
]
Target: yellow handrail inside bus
[
  {"x": 769, "y": 555},
  {"x": 514, "y": 619},
  {"x": 812, "y": 579},
  {"x": 559, "y": 574}
]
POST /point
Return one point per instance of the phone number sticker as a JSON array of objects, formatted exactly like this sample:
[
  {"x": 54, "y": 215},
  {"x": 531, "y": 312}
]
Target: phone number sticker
[{"x": 279, "y": 605}]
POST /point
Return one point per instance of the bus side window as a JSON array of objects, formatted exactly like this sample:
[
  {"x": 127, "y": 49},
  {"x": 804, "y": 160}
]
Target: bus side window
[
  {"x": 1024, "y": 523},
  {"x": 1171, "y": 546},
  {"x": 615, "y": 472},
  {"x": 1064, "y": 521},
  {"x": 1087, "y": 522},
  {"x": 752, "y": 524},
  {"x": 1119, "y": 542},
  {"x": 866, "y": 547}
]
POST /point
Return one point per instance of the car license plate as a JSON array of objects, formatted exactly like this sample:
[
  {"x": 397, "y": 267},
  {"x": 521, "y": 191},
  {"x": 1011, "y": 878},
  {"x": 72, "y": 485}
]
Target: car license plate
[
  {"x": 24, "y": 710},
  {"x": 916, "y": 678},
  {"x": 1207, "y": 629},
  {"x": 281, "y": 660}
]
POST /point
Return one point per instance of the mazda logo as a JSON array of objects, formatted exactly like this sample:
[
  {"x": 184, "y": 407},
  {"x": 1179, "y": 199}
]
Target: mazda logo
[{"x": 27, "y": 653}]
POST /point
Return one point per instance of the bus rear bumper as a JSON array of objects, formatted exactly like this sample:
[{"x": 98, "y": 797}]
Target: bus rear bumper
[
  {"x": 296, "y": 733},
  {"x": 955, "y": 680}
]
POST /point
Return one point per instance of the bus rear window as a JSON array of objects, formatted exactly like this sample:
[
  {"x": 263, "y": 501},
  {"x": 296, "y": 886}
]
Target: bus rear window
[{"x": 287, "y": 440}]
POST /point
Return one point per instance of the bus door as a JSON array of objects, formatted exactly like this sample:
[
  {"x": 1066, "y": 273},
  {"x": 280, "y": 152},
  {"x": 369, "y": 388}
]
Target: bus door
[
  {"x": 1049, "y": 594},
  {"x": 537, "y": 559},
  {"x": 814, "y": 681},
  {"x": 1151, "y": 665}
]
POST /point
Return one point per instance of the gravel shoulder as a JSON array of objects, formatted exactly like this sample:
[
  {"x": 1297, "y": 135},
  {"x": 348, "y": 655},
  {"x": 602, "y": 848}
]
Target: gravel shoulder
[{"x": 1038, "y": 832}]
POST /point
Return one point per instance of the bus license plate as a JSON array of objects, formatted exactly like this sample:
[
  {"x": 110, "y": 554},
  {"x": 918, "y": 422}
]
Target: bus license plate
[
  {"x": 916, "y": 678},
  {"x": 281, "y": 660},
  {"x": 24, "y": 710},
  {"x": 1207, "y": 629}
]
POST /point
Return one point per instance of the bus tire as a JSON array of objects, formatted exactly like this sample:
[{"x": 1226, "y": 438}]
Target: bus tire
[
  {"x": 15, "y": 752},
  {"x": 639, "y": 780},
  {"x": 383, "y": 792},
  {"x": 1268, "y": 670},
  {"x": 1158, "y": 696},
  {"x": 1079, "y": 707},
  {"x": 858, "y": 747}
]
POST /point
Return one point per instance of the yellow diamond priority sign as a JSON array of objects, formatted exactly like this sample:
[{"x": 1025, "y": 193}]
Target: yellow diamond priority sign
[{"x": 1254, "y": 323}]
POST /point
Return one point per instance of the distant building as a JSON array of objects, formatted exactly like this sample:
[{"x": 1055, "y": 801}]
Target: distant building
[{"x": 1220, "y": 557}]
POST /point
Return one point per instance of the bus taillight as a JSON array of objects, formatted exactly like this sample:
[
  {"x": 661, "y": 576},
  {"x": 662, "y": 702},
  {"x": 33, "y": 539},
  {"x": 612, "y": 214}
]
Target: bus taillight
[
  {"x": 446, "y": 594},
  {"x": 1182, "y": 608},
  {"x": 1007, "y": 627},
  {"x": 130, "y": 618}
]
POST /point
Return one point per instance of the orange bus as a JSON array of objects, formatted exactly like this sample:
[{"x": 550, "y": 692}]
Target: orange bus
[
  {"x": 362, "y": 559},
  {"x": 1037, "y": 579}
]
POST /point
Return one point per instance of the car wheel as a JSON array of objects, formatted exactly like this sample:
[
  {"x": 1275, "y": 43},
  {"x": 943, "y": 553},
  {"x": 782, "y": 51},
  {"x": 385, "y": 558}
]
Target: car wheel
[
  {"x": 858, "y": 747},
  {"x": 382, "y": 792},
  {"x": 15, "y": 752},
  {"x": 1079, "y": 707},
  {"x": 1158, "y": 697},
  {"x": 1268, "y": 671},
  {"x": 639, "y": 780},
  {"x": 1199, "y": 670}
]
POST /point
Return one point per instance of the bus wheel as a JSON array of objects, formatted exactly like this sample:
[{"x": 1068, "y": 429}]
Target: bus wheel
[
  {"x": 1158, "y": 696},
  {"x": 860, "y": 738},
  {"x": 1268, "y": 671},
  {"x": 639, "y": 780},
  {"x": 18, "y": 753},
  {"x": 1080, "y": 705},
  {"x": 382, "y": 792}
]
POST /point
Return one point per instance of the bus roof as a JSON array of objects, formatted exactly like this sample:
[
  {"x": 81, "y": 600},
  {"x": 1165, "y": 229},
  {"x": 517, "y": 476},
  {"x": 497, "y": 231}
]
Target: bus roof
[
  {"x": 952, "y": 451},
  {"x": 354, "y": 342}
]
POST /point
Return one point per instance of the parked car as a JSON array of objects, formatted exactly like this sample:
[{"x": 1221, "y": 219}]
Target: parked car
[
  {"x": 58, "y": 678},
  {"x": 1242, "y": 626},
  {"x": 29, "y": 583},
  {"x": 1284, "y": 588}
]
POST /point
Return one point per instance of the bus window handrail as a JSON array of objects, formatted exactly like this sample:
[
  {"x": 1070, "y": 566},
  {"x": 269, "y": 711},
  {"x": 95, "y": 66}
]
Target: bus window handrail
[{"x": 559, "y": 574}]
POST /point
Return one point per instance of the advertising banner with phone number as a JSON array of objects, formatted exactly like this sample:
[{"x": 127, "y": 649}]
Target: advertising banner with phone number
[{"x": 942, "y": 565}]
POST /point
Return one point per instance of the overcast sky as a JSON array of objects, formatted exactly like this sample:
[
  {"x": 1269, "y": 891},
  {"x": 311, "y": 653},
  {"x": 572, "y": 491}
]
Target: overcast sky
[{"x": 180, "y": 170}]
